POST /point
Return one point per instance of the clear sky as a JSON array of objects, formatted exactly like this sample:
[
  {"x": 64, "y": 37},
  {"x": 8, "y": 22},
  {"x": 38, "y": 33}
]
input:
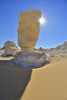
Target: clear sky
[{"x": 52, "y": 33}]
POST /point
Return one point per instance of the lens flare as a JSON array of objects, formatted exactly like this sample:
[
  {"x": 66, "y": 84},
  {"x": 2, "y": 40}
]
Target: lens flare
[{"x": 42, "y": 20}]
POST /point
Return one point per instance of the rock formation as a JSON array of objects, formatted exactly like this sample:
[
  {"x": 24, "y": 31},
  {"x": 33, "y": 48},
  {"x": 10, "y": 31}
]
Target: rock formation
[
  {"x": 31, "y": 59},
  {"x": 28, "y": 32},
  {"x": 10, "y": 49},
  {"x": 65, "y": 44},
  {"x": 61, "y": 47},
  {"x": 40, "y": 48},
  {"x": 28, "y": 29},
  {"x": 9, "y": 44}
]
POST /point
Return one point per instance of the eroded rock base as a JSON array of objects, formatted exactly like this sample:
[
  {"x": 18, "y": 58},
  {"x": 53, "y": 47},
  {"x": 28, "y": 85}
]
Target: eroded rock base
[{"x": 30, "y": 59}]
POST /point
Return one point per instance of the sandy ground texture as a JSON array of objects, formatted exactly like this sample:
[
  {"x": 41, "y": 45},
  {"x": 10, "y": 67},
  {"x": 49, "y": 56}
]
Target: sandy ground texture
[
  {"x": 46, "y": 83},
  {"x": 13, "y": 80}
]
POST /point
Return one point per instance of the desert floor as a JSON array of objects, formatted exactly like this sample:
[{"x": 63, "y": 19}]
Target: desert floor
[{"x": 46, "y": 83}]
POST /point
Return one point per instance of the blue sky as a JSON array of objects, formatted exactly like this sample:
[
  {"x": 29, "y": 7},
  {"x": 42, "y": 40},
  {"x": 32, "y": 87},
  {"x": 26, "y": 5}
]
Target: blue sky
[{"x": 52, "y": 33}]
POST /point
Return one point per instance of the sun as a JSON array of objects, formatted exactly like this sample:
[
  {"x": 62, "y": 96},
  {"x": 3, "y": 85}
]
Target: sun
[{"x": 42, "y": 20}]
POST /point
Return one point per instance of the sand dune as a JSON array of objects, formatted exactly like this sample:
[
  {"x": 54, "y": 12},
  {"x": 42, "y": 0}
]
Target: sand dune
[{"x": 48, "y": 83}]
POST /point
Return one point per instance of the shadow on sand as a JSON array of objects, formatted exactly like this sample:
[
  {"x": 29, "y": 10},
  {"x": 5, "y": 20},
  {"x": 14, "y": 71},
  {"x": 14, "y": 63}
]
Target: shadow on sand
[{"x": 13, "y": 81}]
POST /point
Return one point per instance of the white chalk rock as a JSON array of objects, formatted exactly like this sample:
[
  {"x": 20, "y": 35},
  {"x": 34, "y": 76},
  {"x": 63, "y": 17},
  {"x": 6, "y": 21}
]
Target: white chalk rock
[
  {"x": 31, "y": 59},
  {"x": 11, "y": 51}
]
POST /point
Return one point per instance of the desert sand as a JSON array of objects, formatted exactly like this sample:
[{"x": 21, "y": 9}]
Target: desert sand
[
  {"x": 13, "y": 80},
  {"x": 46, "y": 83}
]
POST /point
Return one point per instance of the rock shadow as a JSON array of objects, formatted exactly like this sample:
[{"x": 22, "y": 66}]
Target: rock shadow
[{"x": 13, "y": 81}]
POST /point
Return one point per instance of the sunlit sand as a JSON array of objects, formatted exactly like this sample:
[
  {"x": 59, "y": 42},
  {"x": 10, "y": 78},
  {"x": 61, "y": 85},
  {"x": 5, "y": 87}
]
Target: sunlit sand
[{"x": 48, "y": 83}]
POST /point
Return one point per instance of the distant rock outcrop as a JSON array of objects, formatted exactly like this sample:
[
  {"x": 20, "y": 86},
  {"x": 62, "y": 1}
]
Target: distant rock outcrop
[
  {"x": 9, "y": 44},
  {"x": 28, "y": 29},
  {"x": 40, "y": 48},
  {"x": 65, "y": 44},
  {"x": 10, "y": 49},
  {"x": 58, "y": 47},
  {"x": 60, "y": 52}
]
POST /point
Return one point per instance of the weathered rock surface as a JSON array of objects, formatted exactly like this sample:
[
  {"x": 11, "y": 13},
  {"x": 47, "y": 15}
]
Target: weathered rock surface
[
  {"x": 31, "y": 59},
  {"x": 0, "y": 48},
  {"x": 28, "y": 32},
  {"x": 58, "y": 53},
  {"x": 9, "y": 44},
  {"x": 61, "y": 47},
  {"x": 28, "y": 29},
  {"x": 65, "y": 44},
  {"x": 11, "y": 51},
  {"x": 1, "y": 52},
  {"x": 40, "y": 48}
]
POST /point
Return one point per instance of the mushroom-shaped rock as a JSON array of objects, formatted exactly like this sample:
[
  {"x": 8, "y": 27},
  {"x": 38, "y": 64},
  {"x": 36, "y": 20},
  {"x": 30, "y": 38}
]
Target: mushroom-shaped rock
[
  {"x": 10, "y": 49},
  {"x": 28, "y": 32},
  {"x": 9, "y": 44}
]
